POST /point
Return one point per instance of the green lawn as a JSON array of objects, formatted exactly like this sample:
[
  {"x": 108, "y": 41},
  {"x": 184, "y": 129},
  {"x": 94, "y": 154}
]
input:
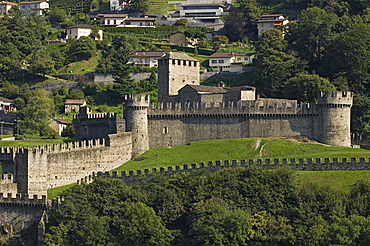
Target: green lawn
[
  {"x": 160, "y": 6},
  {"x": 54, "y": 192},
  {"x": 338, "y": 180},
  {"x": 242, "y": 148},
  {"x": 81, "y": 66},
  {"x": 30, "y": 143},
  {"x": 250, "y": 148}
]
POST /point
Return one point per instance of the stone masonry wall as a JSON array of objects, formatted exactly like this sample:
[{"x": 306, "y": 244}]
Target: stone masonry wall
[
  {"x": 302, "y": 164},
  {"x": 37, "y": 169},
  {"x": 178, "y": 124}
]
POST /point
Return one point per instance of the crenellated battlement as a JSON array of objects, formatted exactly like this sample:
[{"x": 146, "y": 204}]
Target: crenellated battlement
[
  {"x": 302, "y": 164},
  {"x": 22, "y": 199},
  {"x": 140, "y": 100},
  {"x": 95, "y": 116},
  {"x": 335, "y": 98},
  {"x": 270, "y": 107},
  {"x": 7, "y": 153}
]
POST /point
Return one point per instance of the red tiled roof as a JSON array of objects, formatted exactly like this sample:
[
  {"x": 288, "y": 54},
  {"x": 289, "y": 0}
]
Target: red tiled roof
[
  {"x": 148, "y": 54},
  {"x": 31, "y": 2},
  {"x": 75, "y": 101},
  {"x": 7, "y": 3},
  {"x": 228, "y": 54}
]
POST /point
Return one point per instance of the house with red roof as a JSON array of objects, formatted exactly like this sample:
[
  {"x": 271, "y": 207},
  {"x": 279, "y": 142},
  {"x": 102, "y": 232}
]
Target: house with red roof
[
  {"x": 5, "y": 6},
  {"x": 146, "y": 58},
  {"x": 268, "y": 22},
  {"x": 38, "y": 7},
  {"x": 229, "y": 61}
]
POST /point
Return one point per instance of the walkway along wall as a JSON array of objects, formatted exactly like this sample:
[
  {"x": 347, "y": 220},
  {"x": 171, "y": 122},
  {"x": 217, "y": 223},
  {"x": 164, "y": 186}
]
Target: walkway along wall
[
  {"x": 37, "y": 169},
  {"x": 302, "y": 164}
]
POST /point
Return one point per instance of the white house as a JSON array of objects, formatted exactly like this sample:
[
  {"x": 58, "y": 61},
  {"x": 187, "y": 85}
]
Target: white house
[
  {"x": 112, "y": 19},
  {"x": 58, "y": 125},
  {"x": 146, "y": 58},
  {"x": 230, "y": 61},
  {"x": 268, "y": 22},
  {"x": 200, "y": 10},
  {"x": 138, "y": 22},
  {"x": 38, "y": 7},
  {"x": 75, "y": 32},
  {"x": 5, "y": 6},
  {"x": 118, "y": 5}
]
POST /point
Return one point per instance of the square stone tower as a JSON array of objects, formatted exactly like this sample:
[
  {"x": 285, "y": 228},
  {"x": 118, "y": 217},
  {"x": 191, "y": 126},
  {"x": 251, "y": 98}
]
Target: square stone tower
[{"x": 175, "y": 70}]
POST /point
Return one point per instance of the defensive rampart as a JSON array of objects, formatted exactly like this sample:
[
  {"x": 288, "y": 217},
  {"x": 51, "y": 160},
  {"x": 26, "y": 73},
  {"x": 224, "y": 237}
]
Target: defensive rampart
[
  {"x": 22, "y": 219},
  {"x": 37, "y": 169},
  {"x": 302, "y": 164},
  {"x": 175, "y": 124}
]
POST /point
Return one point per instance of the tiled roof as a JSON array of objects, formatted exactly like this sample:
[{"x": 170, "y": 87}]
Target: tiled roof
[
  {"x": 61, "y": 121},
  {"x": 273, "y": 15},
  {"x": 273, "y": 20},
  {"x": 202, "y": 5},
  {"x": 219, "y": 90},
  {"x": 31, "y": 2},
  {"x": 148, "y": 54},
  {"x": 85, "y": 26},
  {"x": 228, "y": 54},
  {"x": 75, "y": 101},
  {"x": 178, "y": 56},
  {"x": 205, "y": 88},
  {"x": 6, "y": 100},
  {"x": 112, "y": 15},
  {"x": 7, "y": 3},
  {"x": 140, "y": 19}
]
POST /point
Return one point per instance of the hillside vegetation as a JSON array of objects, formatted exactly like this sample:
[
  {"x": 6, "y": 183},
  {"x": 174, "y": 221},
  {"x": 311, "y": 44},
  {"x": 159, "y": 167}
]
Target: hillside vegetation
[{"x": 242, "y": 206}]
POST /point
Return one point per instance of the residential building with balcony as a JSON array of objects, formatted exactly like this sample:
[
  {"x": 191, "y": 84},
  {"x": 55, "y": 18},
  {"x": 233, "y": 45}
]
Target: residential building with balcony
[
  {"x": 268, "y": 22},
  {"x": 112, "y": 19},
  {"x": 5, "y": 6},
  {"x": 38, "y": 7},
  {"x": 230, "y": 61},
  {"x": 146, "y": 58}
]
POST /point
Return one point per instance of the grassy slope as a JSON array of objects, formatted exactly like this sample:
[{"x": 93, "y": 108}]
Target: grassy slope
[
  {"x": 338, "y": 180},
  {"x": 160, "y": 6},
  {"x": 242, "y": 148},
  {"x": 204, "y": 151}
]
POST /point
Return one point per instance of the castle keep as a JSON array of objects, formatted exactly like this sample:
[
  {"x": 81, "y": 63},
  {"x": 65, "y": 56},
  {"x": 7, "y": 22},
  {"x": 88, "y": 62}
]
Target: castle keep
[{"x": 193, "y": 113}]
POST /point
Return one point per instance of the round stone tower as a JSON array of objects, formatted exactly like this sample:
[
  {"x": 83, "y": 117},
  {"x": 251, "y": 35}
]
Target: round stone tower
[
  {"x": 335, "y": 118},
  {"x": 136, "y": 116}
]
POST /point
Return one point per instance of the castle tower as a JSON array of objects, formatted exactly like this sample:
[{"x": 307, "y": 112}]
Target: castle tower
[
  {"x": 175, "y": 70},
  {"x": 136, "y": 115},
  {"x": 335, "y": 118}
]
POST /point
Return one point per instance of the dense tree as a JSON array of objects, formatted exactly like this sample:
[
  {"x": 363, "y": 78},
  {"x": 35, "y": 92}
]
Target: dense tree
[
  {"x": 310, "y": 36},
  {"x": 306, "y": 87},
  {"x": 81, "y": 49},
  {"x": 252, "y": 13},
  {"x": 140, "y": 5},
  {"x": 34, "y": 116},
  {"x": 339, "y": 58},
  {"x": 234, "y": 25},
  {"x": 273, "y": 65},
  {"x": 57, "y": 15}
]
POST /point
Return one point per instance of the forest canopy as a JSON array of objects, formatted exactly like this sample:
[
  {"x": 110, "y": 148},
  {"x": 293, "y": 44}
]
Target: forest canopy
[{"x": 243, "y": 206}]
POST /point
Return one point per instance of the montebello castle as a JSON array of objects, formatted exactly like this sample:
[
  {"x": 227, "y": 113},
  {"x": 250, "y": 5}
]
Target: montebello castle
[{"x": 186, "y": 112}]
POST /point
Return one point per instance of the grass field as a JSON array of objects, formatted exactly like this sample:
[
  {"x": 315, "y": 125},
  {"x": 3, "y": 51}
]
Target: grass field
[
  {"x": 160, "y": 6},
  {"x": 338, "y": 180},
  {"x": 242, "y": 148},
  {"x": 250, "y": 148}
]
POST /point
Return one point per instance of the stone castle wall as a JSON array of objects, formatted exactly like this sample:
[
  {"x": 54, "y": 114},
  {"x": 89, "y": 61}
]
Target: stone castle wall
[
  {"x": 22, "y": 219},
  {"x": 37, "y": 169},
  {"x": 302, "y": 164},
  {"x": 175, "y": 124}
]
